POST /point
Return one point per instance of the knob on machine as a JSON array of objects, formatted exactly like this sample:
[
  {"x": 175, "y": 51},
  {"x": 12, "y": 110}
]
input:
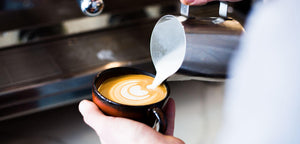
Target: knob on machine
[{"x": 91, "y": 7}]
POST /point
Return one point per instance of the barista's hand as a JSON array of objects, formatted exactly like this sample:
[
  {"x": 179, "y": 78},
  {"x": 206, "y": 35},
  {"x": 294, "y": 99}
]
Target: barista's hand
[
  {"x": 115, "y": 130},
  {"x": 202, "y": 2}
]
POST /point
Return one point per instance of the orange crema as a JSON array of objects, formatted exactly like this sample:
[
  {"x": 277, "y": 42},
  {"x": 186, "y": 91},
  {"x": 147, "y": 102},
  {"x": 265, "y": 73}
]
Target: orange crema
[{"x": 132, "y": 90}]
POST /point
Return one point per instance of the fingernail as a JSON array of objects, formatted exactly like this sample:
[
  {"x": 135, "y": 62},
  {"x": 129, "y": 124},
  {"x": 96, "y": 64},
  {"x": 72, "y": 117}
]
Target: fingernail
[{"x": 82, "y": 104}]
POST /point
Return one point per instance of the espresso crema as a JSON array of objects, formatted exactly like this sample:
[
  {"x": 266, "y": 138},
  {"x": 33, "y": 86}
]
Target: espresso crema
[{"x": 132, "y": 90}]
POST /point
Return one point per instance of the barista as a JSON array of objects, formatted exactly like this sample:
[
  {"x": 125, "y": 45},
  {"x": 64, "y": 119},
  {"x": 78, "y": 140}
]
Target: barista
[{"x": 262, "y": 99}]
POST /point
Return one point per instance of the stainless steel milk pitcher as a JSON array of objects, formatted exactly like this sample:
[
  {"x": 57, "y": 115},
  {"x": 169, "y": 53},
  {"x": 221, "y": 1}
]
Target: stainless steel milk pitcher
[{"x": 209, "y": 43}]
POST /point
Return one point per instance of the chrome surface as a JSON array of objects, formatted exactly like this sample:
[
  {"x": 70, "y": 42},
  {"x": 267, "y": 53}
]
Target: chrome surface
[
  {"x": 184, "y": 10},
  {"x": 210, "y": 46},
  {"x": 194, "y": 46},
  {"x": 91, "y": 7},
  {"x": 223, "y": 9}
]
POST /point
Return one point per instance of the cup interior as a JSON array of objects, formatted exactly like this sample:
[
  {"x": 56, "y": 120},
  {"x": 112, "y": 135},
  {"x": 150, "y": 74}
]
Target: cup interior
[{"x": 119, "y": 71}]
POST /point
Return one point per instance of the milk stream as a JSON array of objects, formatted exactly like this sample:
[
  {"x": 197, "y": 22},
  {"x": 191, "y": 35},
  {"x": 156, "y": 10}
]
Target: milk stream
[{"x": 167, "y": 66}]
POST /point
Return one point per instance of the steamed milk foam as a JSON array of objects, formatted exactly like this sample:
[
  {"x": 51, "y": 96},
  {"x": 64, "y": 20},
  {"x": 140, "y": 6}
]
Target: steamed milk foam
[{"x": 132, "y": 90}]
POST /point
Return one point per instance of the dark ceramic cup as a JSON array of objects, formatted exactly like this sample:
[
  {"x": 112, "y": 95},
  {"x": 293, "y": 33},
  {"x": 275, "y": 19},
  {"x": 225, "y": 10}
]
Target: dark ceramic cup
[{"x": 151, "y": 114}]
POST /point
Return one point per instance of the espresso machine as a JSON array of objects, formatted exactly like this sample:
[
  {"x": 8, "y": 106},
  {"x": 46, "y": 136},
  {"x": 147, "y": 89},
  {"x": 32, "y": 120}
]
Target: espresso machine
[{"x": 50, "y": 50}]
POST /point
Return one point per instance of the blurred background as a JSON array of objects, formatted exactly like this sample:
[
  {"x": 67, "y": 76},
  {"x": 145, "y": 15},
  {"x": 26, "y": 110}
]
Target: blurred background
[{"x": 50, "y": 51}]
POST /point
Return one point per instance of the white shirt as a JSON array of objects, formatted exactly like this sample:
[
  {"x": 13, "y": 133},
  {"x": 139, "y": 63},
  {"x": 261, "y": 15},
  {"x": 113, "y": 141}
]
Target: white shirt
[{"x": 262, "y": 102}]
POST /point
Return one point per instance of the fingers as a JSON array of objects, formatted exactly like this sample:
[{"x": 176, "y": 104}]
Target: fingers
[
  {"x": 195, "y": 2},
  {"x": 91, "y": 114},
  {"x": 170, "y": 114},
  {"x": 202, "y": 2},
  {"x": 95, "y": 118}
]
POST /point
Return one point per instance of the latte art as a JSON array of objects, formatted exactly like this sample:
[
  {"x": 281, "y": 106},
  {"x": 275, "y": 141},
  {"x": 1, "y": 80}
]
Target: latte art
[{"x": 132, "y": 90}]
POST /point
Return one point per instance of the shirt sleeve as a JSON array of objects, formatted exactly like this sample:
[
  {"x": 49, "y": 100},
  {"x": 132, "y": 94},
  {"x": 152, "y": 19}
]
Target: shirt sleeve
[{"x": 262, "y": 102}]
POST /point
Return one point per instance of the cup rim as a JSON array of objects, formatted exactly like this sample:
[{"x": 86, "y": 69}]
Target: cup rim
[{"x": 99, "y": 95}]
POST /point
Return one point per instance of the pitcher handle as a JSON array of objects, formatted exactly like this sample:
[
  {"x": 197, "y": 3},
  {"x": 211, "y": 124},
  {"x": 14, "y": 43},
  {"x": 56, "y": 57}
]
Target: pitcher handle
[{"x": 223, "y": 8}]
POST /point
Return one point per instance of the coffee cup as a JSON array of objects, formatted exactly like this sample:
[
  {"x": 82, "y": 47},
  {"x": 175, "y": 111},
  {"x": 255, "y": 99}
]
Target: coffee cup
[{"x": 123, "y": 92}]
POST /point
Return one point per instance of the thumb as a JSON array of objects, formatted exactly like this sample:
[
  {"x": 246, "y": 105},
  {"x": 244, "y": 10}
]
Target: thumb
[{"x": 91, "y": 114}]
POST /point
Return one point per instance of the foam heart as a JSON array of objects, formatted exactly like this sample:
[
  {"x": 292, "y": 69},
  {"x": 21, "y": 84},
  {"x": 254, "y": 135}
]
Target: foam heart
[{"x": 137, "y": 90}]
